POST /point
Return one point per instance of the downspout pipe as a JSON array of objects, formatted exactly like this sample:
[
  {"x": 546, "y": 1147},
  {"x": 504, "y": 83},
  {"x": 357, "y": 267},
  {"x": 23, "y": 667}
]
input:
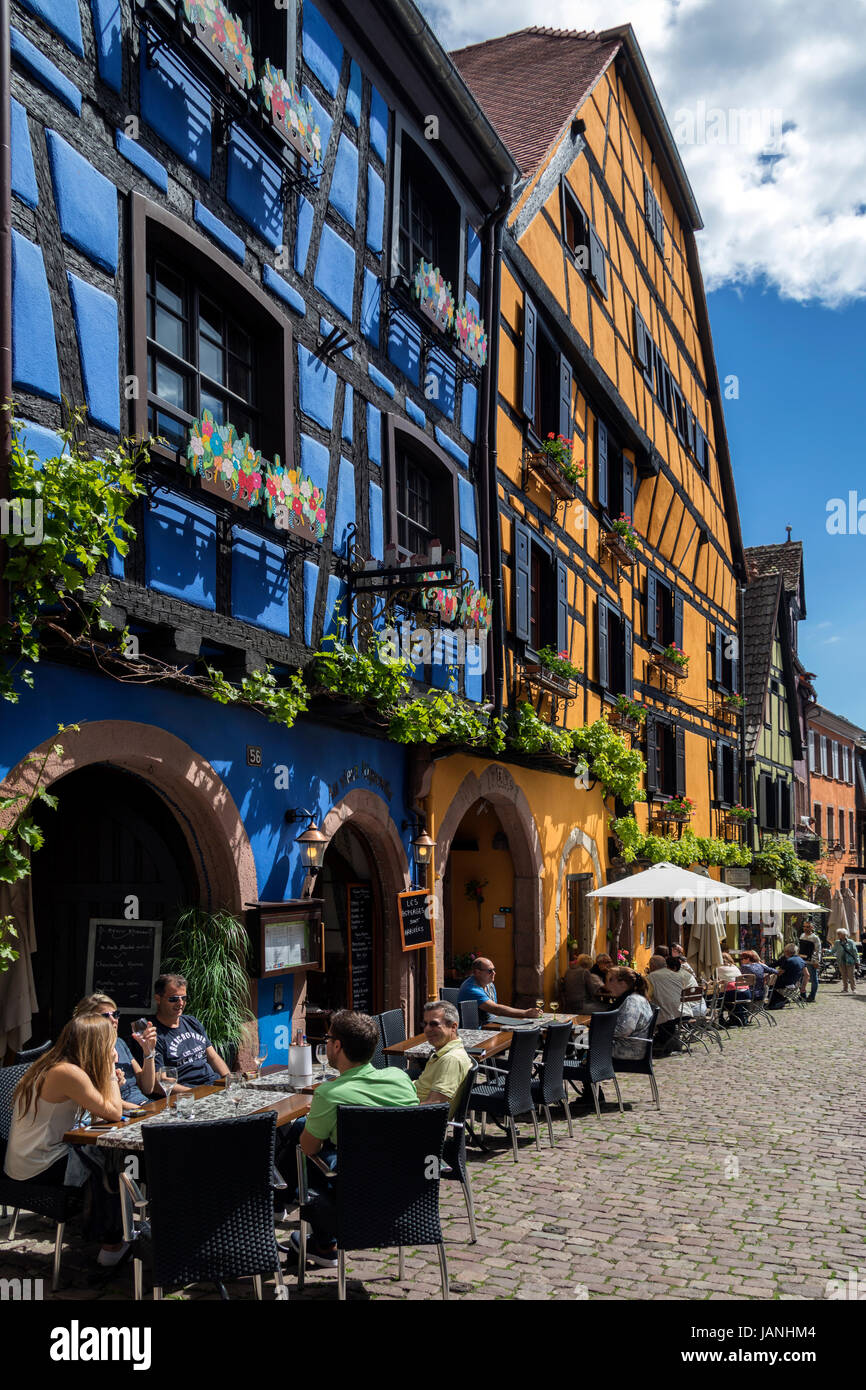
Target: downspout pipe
[
  {"x": 489, "y": 451},
  {"x": 5, "y": 280}
]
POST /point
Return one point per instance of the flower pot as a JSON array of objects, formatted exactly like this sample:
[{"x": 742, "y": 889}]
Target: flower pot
[
  {"x": 543, "y": 466},
  {"x": 228, "y": 46},
  {"x": 622, "y": 722},
  {"x": 563, "y": 686},
  {"x": 671, "y": 668},
  {"x": 618, "y": 550}
]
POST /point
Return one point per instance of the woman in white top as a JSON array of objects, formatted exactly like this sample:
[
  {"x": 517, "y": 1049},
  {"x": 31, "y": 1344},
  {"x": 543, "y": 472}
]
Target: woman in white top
[{"x": 78, "y": 1073}]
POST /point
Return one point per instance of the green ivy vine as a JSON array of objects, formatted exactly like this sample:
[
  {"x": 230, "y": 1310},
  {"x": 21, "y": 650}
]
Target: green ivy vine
[
  {"x": 280, "y": 703},
  {"x": 778, "y": 860},
  {"x": 619, "y": 768}
]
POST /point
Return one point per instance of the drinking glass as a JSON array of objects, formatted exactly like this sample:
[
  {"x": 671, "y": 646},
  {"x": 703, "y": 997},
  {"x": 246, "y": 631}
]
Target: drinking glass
[
  {"x": 185, "y": 1105},
  {"x": 554, "y": 1008},
  {"x": 260, "y": 1058},
  {"x": 539, "y": 1004},
  {"x": 235, "y": 1088},
  {"x": 138, "y": 1027},
  {"x": 168, "y": 1080},
  {"x": 322, "y": 1058}
]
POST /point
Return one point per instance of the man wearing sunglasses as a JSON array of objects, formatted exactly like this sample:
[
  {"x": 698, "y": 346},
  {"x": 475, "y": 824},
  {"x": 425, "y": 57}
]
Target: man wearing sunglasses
[
  {"x": 181, "y": 1041},
  {"x": 480, "y": 987}
]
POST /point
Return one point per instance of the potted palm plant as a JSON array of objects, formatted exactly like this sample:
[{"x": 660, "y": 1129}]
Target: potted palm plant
[{"x": 211, "y": 950}]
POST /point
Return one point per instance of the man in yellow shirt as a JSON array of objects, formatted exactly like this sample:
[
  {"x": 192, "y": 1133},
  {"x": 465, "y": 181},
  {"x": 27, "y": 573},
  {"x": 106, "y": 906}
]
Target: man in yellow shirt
[{"x": 444, "y": 1074}]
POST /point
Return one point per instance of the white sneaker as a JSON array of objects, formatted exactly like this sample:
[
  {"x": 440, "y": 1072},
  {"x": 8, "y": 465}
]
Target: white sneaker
[{"x": 112, "y": 1257}]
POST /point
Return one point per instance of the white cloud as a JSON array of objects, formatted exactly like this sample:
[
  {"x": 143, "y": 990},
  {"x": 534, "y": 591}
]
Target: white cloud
[{"x": 788, "y": 210}]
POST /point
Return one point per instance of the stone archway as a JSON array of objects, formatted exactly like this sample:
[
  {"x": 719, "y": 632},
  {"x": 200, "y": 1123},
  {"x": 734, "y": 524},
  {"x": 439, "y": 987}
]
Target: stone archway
[
  {"x": 496, "y": 785},
  {"x": 197, "y": 796},
  {"x": 369, "y": 814}
]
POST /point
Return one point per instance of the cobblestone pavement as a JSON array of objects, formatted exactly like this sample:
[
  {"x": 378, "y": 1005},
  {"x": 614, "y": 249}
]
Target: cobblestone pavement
[{"x": 747, "y": 1184}]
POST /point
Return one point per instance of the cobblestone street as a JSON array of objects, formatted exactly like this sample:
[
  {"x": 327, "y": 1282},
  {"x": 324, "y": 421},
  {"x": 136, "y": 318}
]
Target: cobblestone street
[{"x": 747, "y": 1184}]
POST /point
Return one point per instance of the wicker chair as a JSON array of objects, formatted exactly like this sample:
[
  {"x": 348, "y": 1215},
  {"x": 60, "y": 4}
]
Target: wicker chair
[
  {"x": 386, "y": 1189},
  {"x": 198, "y": 1231},
  {"x": 454, "y": 1153},
  {"x": 694, "y": 1027},
  {"x": 31, "y": 1053},
  {"x": 549, "y": 1087},
  {"x": 596, "y": 1065},
  {"x": 58, "y": 1204},
  {"x": 469, "y": 1017},
  {"x": 643, "y": 1065},
  {"x": 450, "y": 995},
  {"x": 510, "y": 1093}
]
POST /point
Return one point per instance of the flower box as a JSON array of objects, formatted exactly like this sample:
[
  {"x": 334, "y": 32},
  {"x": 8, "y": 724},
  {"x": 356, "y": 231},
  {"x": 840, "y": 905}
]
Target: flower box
[
  {"x": 440, "y": 600},
  {"x": 543, "y": 466},
  {"x": 548, "y": 681},
  {"x": 618, "y": 550},
  {"x": 671, "y": 668},
  {"x": 626, "y": 725},
  {"x": 289, "y": 114},
  {"x": 294, "y": 502},
  {"x": 471, "y": 334},
  {"x": 225, "y": 462},
  {"x": 434, "y": 296},
  {"x": 222, "y": 34}
]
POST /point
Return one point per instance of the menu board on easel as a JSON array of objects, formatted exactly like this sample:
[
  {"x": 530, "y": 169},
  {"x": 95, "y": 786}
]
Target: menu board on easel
[
  {"x": 359, "y": 915},
  {"x": 416, "y": 922}
]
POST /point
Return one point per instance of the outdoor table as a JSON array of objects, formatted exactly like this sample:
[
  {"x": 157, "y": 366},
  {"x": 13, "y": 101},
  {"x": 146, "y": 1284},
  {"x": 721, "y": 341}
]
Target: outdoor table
[
  {"x": 128, "y": 1136},
  {"x": 481, "y": 1044}
]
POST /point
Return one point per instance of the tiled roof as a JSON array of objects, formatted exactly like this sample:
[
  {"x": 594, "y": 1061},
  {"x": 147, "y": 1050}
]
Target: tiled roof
[
  {"x": 530, "y": 83},
  {"x": 761, "y": 609},
  {"x": 785, "y": 559}
]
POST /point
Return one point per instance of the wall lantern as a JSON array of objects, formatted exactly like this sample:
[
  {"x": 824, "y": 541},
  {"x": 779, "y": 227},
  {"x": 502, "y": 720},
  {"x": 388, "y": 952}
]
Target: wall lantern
[
  {"x": 313, "y": 841},
  {"x": 423, "y": 847}
]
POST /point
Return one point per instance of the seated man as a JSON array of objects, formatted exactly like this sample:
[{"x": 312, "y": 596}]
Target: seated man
[
  {"x": 580, "y": 987},
  {"x": 442, "y": 1079},
  {"x": 790, "y": 968},
  {"x": 480, "y": 987},
  {"x": 351, "y": 1042},
  {"x": 183, "y": 1042},
  {"x": 666, "y": 991}
]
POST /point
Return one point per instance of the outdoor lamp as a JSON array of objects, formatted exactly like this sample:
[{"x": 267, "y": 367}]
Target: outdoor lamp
[
  {"x": 312, "y": 841},
  {"x": 838, "y": 851},
  {"x": 423, "y": 847}
]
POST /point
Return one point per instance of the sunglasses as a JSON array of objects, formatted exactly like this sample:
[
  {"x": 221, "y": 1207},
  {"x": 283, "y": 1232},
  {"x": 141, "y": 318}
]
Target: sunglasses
[
  {"x": 177, "y": 999},
  {"x": 111, "y": 1013}
]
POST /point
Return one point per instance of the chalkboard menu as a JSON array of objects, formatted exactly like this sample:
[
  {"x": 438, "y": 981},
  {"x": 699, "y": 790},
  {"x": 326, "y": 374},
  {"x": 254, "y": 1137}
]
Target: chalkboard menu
[
  {"x": 416, "y": 921},
  {"x": 359, "y": 912},
  {"x": 123, "y": 961}
]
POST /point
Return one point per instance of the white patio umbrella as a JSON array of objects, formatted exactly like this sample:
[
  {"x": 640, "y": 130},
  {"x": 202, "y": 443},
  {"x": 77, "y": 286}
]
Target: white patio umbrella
[
  {"x": 769, "y": 900},
  {"x": 666, "y": 881}
]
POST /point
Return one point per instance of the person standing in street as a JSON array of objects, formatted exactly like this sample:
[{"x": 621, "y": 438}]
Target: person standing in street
[
  {"x": 847, "y": 959},
  {"x": 810, "y": 951}
]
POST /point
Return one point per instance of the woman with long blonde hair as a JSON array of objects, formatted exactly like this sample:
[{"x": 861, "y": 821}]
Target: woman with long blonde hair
[
  {"x": 77, "y": 1074},
  {"x": 136, "y": 1081}
]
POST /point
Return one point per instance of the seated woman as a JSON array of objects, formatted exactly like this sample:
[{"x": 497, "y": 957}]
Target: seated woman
[
  {"x": 635, "y": 1013},
  {"x": 736, "y": 997},
  {"x": 603, "y": 963},
  {"x": 751, "y": 964},
  {"x": 78, "y": 1073},
  {"x": 581, "y": 987},
  {"x": 136, "y": 1082}
]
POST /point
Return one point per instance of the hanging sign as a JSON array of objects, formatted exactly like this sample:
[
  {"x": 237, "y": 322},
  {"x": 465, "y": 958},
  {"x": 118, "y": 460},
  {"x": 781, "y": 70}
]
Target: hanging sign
[{"x": 416, "y": 924}]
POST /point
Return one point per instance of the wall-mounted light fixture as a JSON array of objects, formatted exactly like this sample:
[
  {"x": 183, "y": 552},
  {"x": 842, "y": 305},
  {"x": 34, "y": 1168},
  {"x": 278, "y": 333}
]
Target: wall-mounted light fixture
[
  {"x": 313, "y": 841},
  {"x": 422, "y": 845}
]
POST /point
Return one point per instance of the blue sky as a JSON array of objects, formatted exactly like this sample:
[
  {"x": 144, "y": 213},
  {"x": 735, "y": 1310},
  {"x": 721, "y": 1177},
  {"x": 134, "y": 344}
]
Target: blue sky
[{"x": 797, "y": 434}]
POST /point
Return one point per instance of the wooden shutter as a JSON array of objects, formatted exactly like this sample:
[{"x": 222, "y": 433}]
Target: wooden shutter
[
  {"x": 678, "y": 620},
  {"x": 629, "y": 659},
  {"x": 691, "y": 422},
  {"x": 601, "y": 458},
  {"x": 735, "y": 776},
  {"x": 597, "y": 261},
  {"x": 565, "y": 380},
  {"x": 784, "y": 804},
  {"x": 720, "y": 641},
  {"x": 680, "y": 748},
  {"x": 530, "y": 333},
  {"x": 652, "y": 755},
  {"x": 762, "y": 799},
  {"x": 735, "y": 664},
  {"x": 643, "y": 343},
  {"x": 603, "y": 655},
  {"x": 561, "y": 606},
  {"x": 649, "y": 201},
  {"x": 651, "y": 605},
  {"x": 521, "y": 582},
  {"x": 628, "y": 488},
  {"x": 659, "y": 224},
  {"x": 720, "y": 771}
]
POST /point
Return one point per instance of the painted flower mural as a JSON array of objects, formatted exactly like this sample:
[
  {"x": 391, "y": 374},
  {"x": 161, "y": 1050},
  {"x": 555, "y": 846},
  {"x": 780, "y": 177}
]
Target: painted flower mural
[
  {"x": 434, "y": 296},
  {"x": 218, "y": 455},
  {"x": 471, "y": 334},
  {"x": 290, "y": 113},
  {"x": 224, "y": 34}
]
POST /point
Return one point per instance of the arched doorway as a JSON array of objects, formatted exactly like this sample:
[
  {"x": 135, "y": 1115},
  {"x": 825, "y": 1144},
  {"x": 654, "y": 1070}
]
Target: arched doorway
[
  {"x": 479, "y": 894},
  {"x": 352, "y": 914},
  {"x": 110, "y": 840}
]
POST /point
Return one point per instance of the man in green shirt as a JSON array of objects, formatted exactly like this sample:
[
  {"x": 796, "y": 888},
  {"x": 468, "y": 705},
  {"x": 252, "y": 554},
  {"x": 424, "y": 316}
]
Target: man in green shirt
[
  {"x": 442, "y": 1078},
  {"x": 351, "y": 1042}
]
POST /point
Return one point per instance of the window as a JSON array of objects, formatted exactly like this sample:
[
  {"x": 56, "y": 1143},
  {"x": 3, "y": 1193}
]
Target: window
[
  {"x": 817, "y": 819},
  {"x": 540, "y": 593},
  {"x": 841, "y": 827},
  {"x": 666, "y": 757},
  {"x": 615, "y": 476},
  {"x": 597, "y": 262},
  {"x": 702, "y": 449},
  {"x": 824, "y": 762},
  {"x": 835, "y": 748},
  {"x": 831, "y": 825},
  {"x": 845, "y": 777},
  {"x": 429, "y": 217},
  {"x": 784, "y": 818},
  {"x": 852, "y": 842},
  {"x": 615, "y": 647},
  {"x": 643, "y": 346},
  {"x": 269, "y": 33},
  {"x": 654, "y": 216},
  {"x": 813, "y": 752},
  {"x": 727, "y": 774},
  {"x": 205, "y": 337},
  {"x": 664, "y": 612},
  {"x": 575, "y": 227},
  {"x": 726, "y": 664},
  {"x": 768, "y": 802},
  {"x": 681, "y": 414},
  {"x": 422, "y": 492},
  {"x": 664, "y": 384},
  {"x": 547, "y": 379}
]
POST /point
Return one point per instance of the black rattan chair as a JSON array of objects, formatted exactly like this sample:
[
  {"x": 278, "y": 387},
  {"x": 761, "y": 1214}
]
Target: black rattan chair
[
  {"x": 510, "y": 1094},
  {"x": 454, "y": 1154},
  {"x": 596, "y": 1064},
  {"x": 469, "y": 1017},
  {"x": 58, "y": 1204},
  {"x": 449, "y": 995},
  {"x": 386, "y": 1185},
  {"x": 202, "y": 1231},
  {"x": 643, "y": 1065},
  {"x": 31, "y": 1053},
  {"x": 549, "y": 1087}
]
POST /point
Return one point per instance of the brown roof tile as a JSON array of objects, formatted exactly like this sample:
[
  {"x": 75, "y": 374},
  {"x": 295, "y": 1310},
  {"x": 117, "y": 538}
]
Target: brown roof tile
[
  {"x": 785, "y": 559},
  {"x": 531, "y": 82}
]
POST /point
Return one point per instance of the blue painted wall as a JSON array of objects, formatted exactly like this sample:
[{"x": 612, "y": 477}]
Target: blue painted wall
[{"x": 175, "y": 105}]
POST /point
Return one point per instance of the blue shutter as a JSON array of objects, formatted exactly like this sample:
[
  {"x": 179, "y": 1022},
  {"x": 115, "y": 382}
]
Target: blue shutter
[
  {"x": 603, "y": 664},
  {"x": 720, "y": 771},
  {"x": 601, "y": 454},
  {"x": 678, "y": 620},
  {"x": 597, "y": 261},
  {"x": 735, "y": 777},
  {"x": 565, "y": 381},
  {"x": 629, "y": 660},
  {"x": 521, "y": 582},
  {"x": 651, "y": 606},
  {"x": 628, "y": 488},
  {"x": 720, "y": 639},
  {"x": 680, "y": 744},
  {"x": 561, "y": 606},
  {"x": 652, "y": 755},
  {"x": 530, "y": 328}
]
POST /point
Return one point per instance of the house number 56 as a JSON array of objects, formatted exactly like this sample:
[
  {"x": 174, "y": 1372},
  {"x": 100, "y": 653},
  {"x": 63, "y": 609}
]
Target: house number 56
[{"x": 254, "y": 756}]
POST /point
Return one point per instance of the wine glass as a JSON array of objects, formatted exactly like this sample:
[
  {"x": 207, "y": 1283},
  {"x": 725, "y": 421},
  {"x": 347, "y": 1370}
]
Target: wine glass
[
  {"x": 236, "y": 1090},
  {"x": 322, "y": 1057},
  {"x": 539, "y": 1004},
  {"x": 554, "y": 1008},
  {"x": 261, "y": 1056},
  {"x": 168, "y": 1080}
]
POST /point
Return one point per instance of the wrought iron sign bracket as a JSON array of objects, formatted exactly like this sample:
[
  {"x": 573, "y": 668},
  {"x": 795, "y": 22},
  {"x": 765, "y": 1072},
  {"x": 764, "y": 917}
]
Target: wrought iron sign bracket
[{"x": 336, "y": 342}]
